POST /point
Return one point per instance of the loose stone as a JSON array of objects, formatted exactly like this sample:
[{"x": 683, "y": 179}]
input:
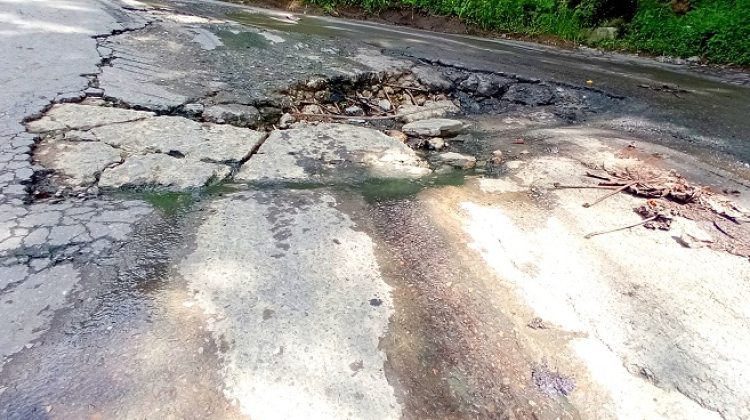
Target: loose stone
[
  {"x": 436, "y": 143},
  {"x": 458, "y": 160},
  {"x": 438, "y": 127}
]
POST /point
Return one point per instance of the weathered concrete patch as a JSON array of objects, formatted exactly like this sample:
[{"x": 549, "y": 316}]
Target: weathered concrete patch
[
  {"x": 83, "y": 117},
  {"x": 380, "y": 63},
  {"x": 309, "y": 153},
  {"x": 635, "y": 296},
  {"x": 299, "y": 302},
  {"x": 162, "y": 170},
  {"x": 78, "y": 162},
  {"x": 436, "y": 127},
  {"x": 140, "y": 88}
]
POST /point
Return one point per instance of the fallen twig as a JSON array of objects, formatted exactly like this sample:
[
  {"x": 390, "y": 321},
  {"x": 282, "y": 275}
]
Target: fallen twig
[
  {"x": 347, "y": 117},
  {"x": 722, "y": 230},
  {"x": 593, "y": 175},
  {"x": 407, "y": 88},
  {"x": 414, "y": 101},
  {"x": 387, "y": 96},
  {"x": 583, "y": 187},
  {"x": 642, "y": 222},
  {"x": 618, "y": 190},
  {"x": 354, "y": 117}
]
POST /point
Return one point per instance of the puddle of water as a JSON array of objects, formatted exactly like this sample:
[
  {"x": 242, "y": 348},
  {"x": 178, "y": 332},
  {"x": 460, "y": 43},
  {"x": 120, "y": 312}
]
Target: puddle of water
[
  {"x": 373, "y": 190},
  {"x": 302, "y": 26},
  {"x": 176, "y": 203},
  {"x": 390, "y": 189},
  {"x": 242, "y": 40},
  {"x": 169, "y": 203}
]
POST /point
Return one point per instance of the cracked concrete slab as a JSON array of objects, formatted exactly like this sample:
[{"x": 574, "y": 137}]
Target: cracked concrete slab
[
  {"x": 377, "y": 62},
  {"x": 191, "y": 139},
  {"x": 236, "y": 114},
  {"x": 300, "y": 304},
  {"x": 140, "y": 88},
  {"x": 311, "y": 152},
  {"x": 164, "y": 171},
  {"x": 107, "y": 136}
]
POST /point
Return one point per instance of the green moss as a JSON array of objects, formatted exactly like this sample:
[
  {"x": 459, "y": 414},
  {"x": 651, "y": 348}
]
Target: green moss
[
  {"x": 170, "y": 203},
  {"x": 387, "y": 189}
]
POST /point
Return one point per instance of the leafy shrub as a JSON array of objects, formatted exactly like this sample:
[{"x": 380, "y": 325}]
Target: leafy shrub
[{"x": 718, "y": 30}]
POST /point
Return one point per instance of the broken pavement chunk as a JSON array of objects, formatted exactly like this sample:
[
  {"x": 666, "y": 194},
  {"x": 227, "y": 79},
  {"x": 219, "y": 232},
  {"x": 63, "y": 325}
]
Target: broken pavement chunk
[
  {"x": 435, "y": 127},
  {"x": 488, "y": 85},
  {"x": 78, "y": 163},
  {"x": 431, "y": 78},
  {"x": 236, "y": 114},
  {"x": 457, "y": 160},
  {"x": 431, "y": 109},
  {"x": 690, "y": 235}
]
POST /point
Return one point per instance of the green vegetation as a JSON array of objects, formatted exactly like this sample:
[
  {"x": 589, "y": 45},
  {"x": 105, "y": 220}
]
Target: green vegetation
[
  {"x": 716, "y": 30},
  {"x": 170, "y": 203}
]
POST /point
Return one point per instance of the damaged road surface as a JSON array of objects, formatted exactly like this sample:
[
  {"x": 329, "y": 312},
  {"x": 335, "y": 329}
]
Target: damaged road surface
[{"x": 213, "y": 211}]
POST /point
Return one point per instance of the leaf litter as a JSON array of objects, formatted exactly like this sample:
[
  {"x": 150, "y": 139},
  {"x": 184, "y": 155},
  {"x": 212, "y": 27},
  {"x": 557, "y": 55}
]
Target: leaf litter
[{"x": 668, "y": 195}]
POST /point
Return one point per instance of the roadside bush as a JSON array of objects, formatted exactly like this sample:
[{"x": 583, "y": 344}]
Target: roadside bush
[{"x": 718, "y": 30}]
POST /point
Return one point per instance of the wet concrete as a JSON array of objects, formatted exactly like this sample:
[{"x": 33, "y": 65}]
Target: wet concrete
[
  {"x": 366, "y": 298},
  {"x": 122, "y": 348}
]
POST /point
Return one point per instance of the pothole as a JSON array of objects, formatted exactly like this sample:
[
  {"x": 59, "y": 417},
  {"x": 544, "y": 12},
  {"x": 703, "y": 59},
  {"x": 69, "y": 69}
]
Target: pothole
[
  {"x": 102, "y": 143},
  {"x": 385, "y": 99}
]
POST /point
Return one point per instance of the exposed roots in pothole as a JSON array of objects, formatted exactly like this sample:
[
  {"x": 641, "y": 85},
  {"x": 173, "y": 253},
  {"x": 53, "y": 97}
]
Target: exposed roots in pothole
[{"x": 368, "y": 95}]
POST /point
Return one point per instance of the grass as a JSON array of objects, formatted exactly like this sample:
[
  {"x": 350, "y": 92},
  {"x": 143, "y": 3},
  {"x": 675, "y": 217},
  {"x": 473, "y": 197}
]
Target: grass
[{"x": 716, "y": 30}]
